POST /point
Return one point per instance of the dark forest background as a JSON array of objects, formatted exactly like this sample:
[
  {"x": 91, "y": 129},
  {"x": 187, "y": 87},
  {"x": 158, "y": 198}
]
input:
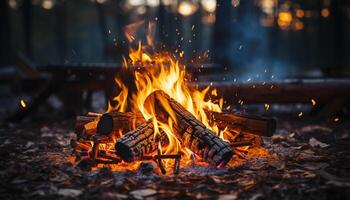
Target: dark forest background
[{"x": 301, "y": 38}]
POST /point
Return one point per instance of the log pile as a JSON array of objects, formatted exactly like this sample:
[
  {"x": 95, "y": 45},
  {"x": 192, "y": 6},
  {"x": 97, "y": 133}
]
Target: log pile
[
  {"x": 100, "y": 140},
  {"x": 193, "y": 133}
]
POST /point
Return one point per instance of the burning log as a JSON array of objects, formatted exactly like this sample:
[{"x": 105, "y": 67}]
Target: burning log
[
  {"x": 114, "y": 121},
  {"x": 244, "y": 123},
  {"x": 190, "y": 131},
  {"x": 138, "y": 142},
  {"x": 107, "y": 123},
  {"x": 241, "y": 144},
  {"x": 87, "y": 123}
]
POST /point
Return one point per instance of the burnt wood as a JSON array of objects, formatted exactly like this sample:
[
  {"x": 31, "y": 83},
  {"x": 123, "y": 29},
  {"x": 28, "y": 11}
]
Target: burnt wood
[
  {"x": 104, "y": 124},
  {"x": 139, "y": 142},
  {"x": 81, "y": 122},
  {"x": 114, "y": 121},
  {"x": 258, "y": 125},
  {"x": 190, "y": 131}
]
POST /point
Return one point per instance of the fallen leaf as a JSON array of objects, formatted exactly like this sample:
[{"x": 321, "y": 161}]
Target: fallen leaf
[
  {"x": 277, "y": 164},
  {"x": 256, "y": 196},
  {"x": 38, "y": 192},
  {"x": 30, "y": 151},
  {"x": 315, "y": 166},
  {"x": 18, "y": 181},
  {"x": 140, "y": 194},
  {"x": 44, "y": 129},
  {"x": 114, "y": 195},
  {"x": 314, "y": 143},
  {"x": 69, "y": 192},
  {"x": 227, "y": 197},
  {"x": 308, "y": 174},
  {"x": 29, "y": 144}
]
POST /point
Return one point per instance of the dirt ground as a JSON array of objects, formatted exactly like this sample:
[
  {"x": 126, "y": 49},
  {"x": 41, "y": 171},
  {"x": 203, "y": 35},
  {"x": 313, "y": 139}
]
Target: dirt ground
[{"x": 311, "y": 161}]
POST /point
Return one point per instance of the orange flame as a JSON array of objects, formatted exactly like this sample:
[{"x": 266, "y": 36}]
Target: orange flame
[
  {"x": 162, "y": 71},
  {"x": 121, "y": 99}
]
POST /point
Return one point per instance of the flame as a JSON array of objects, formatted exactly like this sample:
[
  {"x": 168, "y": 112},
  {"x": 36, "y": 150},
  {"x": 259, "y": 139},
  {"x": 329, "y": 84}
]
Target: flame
[
  {"x": 163, "y": 71},
  {"x": 121, "y": 99}
]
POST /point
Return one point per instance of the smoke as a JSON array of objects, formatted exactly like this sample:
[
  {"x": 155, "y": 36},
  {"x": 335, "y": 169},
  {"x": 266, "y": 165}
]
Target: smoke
[{"x": 251, "y": 50}]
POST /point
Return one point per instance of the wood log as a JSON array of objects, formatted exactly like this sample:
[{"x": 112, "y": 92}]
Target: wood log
[
  {"x": 114, "y": 121},
  {"x": 244, "y": 123},
  {"x": 288, "y": 91},
  {"x": 139, "y": 142},
  {"x": 190, "y": 131},
  {"x": 81, "y": 120},
  {"x": 107, "y": 123}
]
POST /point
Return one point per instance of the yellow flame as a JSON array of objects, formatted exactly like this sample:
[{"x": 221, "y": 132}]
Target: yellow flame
[
  {"x": 138, "y": 55},
  {"x": 121, "y": 99},
  {"x": 162, "y": 71}
]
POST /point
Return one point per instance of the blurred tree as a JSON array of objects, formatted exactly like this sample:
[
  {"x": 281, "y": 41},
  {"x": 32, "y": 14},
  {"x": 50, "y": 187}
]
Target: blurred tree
[
  {"x": 222, "y": 31},
  {"x": 5, "y": 34},
  {"x": 27, "y": 24}
]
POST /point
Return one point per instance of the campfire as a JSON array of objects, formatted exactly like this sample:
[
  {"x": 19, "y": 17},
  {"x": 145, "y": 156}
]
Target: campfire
[{"x": 156, "y": 118}]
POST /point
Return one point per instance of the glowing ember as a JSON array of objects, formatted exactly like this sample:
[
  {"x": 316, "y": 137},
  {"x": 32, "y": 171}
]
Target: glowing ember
[{"x": 23, "y": 103}]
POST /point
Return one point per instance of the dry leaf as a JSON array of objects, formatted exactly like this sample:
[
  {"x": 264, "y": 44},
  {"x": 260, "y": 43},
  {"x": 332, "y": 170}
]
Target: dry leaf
[
  {"x": 29, "y": 144},
  {"x": 140, "y": 194},
  {"x": 227, "y": 197},
  {"x": 69, "y": 192},
  {"x": 314, "y": 143}
]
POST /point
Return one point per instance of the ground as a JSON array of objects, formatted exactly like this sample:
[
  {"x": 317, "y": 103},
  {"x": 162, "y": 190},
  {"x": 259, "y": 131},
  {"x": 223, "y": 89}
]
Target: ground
[{"x": 308, "y": 161}]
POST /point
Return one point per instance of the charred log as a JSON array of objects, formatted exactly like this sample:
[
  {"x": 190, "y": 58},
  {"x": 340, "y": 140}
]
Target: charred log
[
  {"x": 138, "y": 142},
  {"x": 252, "y": 124},
  {"x": 107, "y": 123},
  {"x": 114, "y": 121},
  {"x": 190, "y": 131}
]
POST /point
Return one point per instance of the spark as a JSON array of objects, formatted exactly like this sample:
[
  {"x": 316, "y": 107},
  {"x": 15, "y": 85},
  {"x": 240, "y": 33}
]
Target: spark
[
  {"x": 23, "y": 103},
  {"x": 313, "y": 102},
  {"x": 336, "y": 119},
  {"x": 300, "y": 114},
  {"x": 241, "y": 103},
  {"x": 267, "y": 106}
]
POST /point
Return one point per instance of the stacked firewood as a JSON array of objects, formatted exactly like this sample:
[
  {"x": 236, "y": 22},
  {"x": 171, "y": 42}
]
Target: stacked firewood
[{"x": 100, "y": 139}]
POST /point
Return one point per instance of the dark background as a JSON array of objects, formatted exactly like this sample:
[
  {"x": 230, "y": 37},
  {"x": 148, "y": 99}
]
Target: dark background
[
  {"x": 288, "y": 38},
  {"x": 252, "y": 40}
]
